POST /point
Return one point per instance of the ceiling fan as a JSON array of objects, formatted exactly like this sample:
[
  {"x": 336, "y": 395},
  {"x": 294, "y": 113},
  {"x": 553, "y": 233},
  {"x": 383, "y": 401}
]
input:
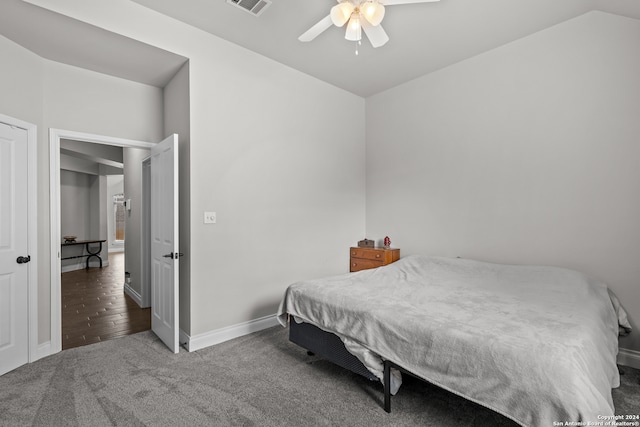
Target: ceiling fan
[{"x": 361, "y": 15}]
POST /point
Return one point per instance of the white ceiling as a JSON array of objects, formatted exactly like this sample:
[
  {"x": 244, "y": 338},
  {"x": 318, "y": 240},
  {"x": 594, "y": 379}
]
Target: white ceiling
[
  {"x": 90, "y": 158},
  {"x": 63, "y": 39},
  {"x": 423, "y": 37}
]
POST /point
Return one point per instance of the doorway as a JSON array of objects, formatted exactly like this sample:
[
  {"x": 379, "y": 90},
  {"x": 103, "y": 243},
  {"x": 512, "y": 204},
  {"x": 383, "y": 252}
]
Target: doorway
[
  {"x": 96, "y": 301},
  {"x": 95, "y": 285}
]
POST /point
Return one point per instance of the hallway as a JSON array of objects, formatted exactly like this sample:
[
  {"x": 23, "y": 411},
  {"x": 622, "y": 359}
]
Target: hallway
[{"x": 95, "y": 307}]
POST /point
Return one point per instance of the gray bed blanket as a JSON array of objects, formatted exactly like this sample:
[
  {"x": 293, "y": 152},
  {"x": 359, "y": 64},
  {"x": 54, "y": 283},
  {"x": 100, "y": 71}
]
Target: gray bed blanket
[{"x": 536, "y": 344}]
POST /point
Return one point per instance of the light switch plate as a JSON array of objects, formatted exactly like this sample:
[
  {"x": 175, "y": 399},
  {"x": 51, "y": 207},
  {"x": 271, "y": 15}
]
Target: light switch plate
[{"x": 209, "y": 217}]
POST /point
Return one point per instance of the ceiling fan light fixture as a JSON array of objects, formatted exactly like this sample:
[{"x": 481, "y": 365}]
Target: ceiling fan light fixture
[
  {"x": 372, "y": 12},
  {"x": 362, "y": 15},
  {"x": 354, "y": 29},
  {"x": 341, "y": 12}
]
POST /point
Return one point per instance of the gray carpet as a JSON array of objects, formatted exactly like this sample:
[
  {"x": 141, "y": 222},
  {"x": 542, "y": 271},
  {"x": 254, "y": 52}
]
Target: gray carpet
[{"x": 257, "y": 380}]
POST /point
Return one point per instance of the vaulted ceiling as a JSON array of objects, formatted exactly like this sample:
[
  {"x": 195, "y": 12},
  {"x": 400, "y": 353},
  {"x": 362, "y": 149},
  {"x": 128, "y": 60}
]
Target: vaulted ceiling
[{"x": 423, "y": 37}]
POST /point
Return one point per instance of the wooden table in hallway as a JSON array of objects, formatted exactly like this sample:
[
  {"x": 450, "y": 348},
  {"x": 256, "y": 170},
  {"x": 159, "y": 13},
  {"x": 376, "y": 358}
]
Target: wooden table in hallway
[{"x": 87, "y": 245}]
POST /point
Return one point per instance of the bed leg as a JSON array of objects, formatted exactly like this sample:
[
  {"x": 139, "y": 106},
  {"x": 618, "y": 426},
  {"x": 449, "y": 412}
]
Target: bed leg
[{"x": 387, "y": 386}]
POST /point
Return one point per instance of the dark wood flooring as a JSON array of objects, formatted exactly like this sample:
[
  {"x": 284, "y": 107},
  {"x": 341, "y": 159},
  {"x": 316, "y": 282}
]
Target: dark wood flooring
[{"x": 95, "y": 307}]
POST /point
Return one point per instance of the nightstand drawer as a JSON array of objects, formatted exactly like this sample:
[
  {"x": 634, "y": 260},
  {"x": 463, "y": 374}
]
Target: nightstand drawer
[
  {"x": 367, "y": 253},
  {"x": 358, "y": 264}
]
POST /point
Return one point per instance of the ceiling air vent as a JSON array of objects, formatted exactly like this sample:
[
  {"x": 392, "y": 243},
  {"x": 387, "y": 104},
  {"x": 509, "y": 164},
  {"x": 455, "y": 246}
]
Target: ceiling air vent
[{"x": 254, "y": 7}]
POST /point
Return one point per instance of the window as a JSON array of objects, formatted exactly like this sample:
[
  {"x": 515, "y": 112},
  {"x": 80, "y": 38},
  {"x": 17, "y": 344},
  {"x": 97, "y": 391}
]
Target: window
[{"x": 119, "y": 216}]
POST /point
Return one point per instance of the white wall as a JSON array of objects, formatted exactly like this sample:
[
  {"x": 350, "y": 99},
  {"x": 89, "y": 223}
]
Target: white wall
[
  {"x": 526, "y": 154},
  {"x": 98, "y": 213},
  {"x": 21, "y": 83},
  {"x": 75, "y": 204},
  {"x": 280, "y": 157},
  {"x": 133, "y": 158},
  {"x": 86, "y": 101}
]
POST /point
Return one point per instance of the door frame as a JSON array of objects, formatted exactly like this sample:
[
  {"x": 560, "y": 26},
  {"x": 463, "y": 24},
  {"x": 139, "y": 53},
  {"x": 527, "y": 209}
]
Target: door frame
[
  {"x": 145, "y": 275},
  {"x": 32, "y": 232},
  {"x": 55, "y": 135}
]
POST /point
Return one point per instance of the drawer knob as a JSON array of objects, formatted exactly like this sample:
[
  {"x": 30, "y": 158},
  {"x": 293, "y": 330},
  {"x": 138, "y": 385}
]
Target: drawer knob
[
  {"x": 353, "y": 254},
  {"x": 377, "y": 255}
]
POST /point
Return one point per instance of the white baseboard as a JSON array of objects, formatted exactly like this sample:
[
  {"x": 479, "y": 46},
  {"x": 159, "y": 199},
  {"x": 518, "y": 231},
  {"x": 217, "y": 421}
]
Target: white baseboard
[
  {"x": 218, "y": 336},
  {"x": 82, "y": 266},
  {"x": 629, "y": 358},
  {"x": 133, "y": 294}
]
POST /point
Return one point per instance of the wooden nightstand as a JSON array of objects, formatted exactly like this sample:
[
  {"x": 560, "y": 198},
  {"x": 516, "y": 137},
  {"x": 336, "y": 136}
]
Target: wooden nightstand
[{"x": 364, "y": 258}]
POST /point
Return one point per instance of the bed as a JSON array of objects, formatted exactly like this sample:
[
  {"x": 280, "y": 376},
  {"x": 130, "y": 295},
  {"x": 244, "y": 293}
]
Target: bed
[{"x": 535, "y": 344}]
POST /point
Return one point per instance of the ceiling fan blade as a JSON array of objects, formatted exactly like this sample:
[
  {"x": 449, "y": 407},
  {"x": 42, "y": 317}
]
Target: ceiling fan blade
[
  {"x": 377, "y": 36},
  {"x": 394, "y": 2},
  {"x": 316, "y": 30}
]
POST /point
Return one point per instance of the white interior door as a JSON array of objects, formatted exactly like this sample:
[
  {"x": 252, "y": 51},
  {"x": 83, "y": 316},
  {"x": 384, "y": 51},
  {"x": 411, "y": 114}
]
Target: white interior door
[
  {"x": 14, "y": 293},
  {"x": 164, "y": 242}
]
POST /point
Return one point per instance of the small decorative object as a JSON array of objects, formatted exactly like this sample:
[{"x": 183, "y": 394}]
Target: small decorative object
[
  {"x": 69, "y": 239},
  {"x": 366, "y": 243},
  {"x": 387, "y": 242}
]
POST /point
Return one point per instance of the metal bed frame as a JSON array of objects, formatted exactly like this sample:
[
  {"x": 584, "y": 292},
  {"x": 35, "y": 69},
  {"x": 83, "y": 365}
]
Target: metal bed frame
[{"x": 330, "y": 347}]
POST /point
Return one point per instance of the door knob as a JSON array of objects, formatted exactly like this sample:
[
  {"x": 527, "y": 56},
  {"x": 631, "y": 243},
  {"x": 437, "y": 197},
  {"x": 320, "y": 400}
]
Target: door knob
[
  {"x": 23, "y": 259},
  {"x": 173, "y": 255}
]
